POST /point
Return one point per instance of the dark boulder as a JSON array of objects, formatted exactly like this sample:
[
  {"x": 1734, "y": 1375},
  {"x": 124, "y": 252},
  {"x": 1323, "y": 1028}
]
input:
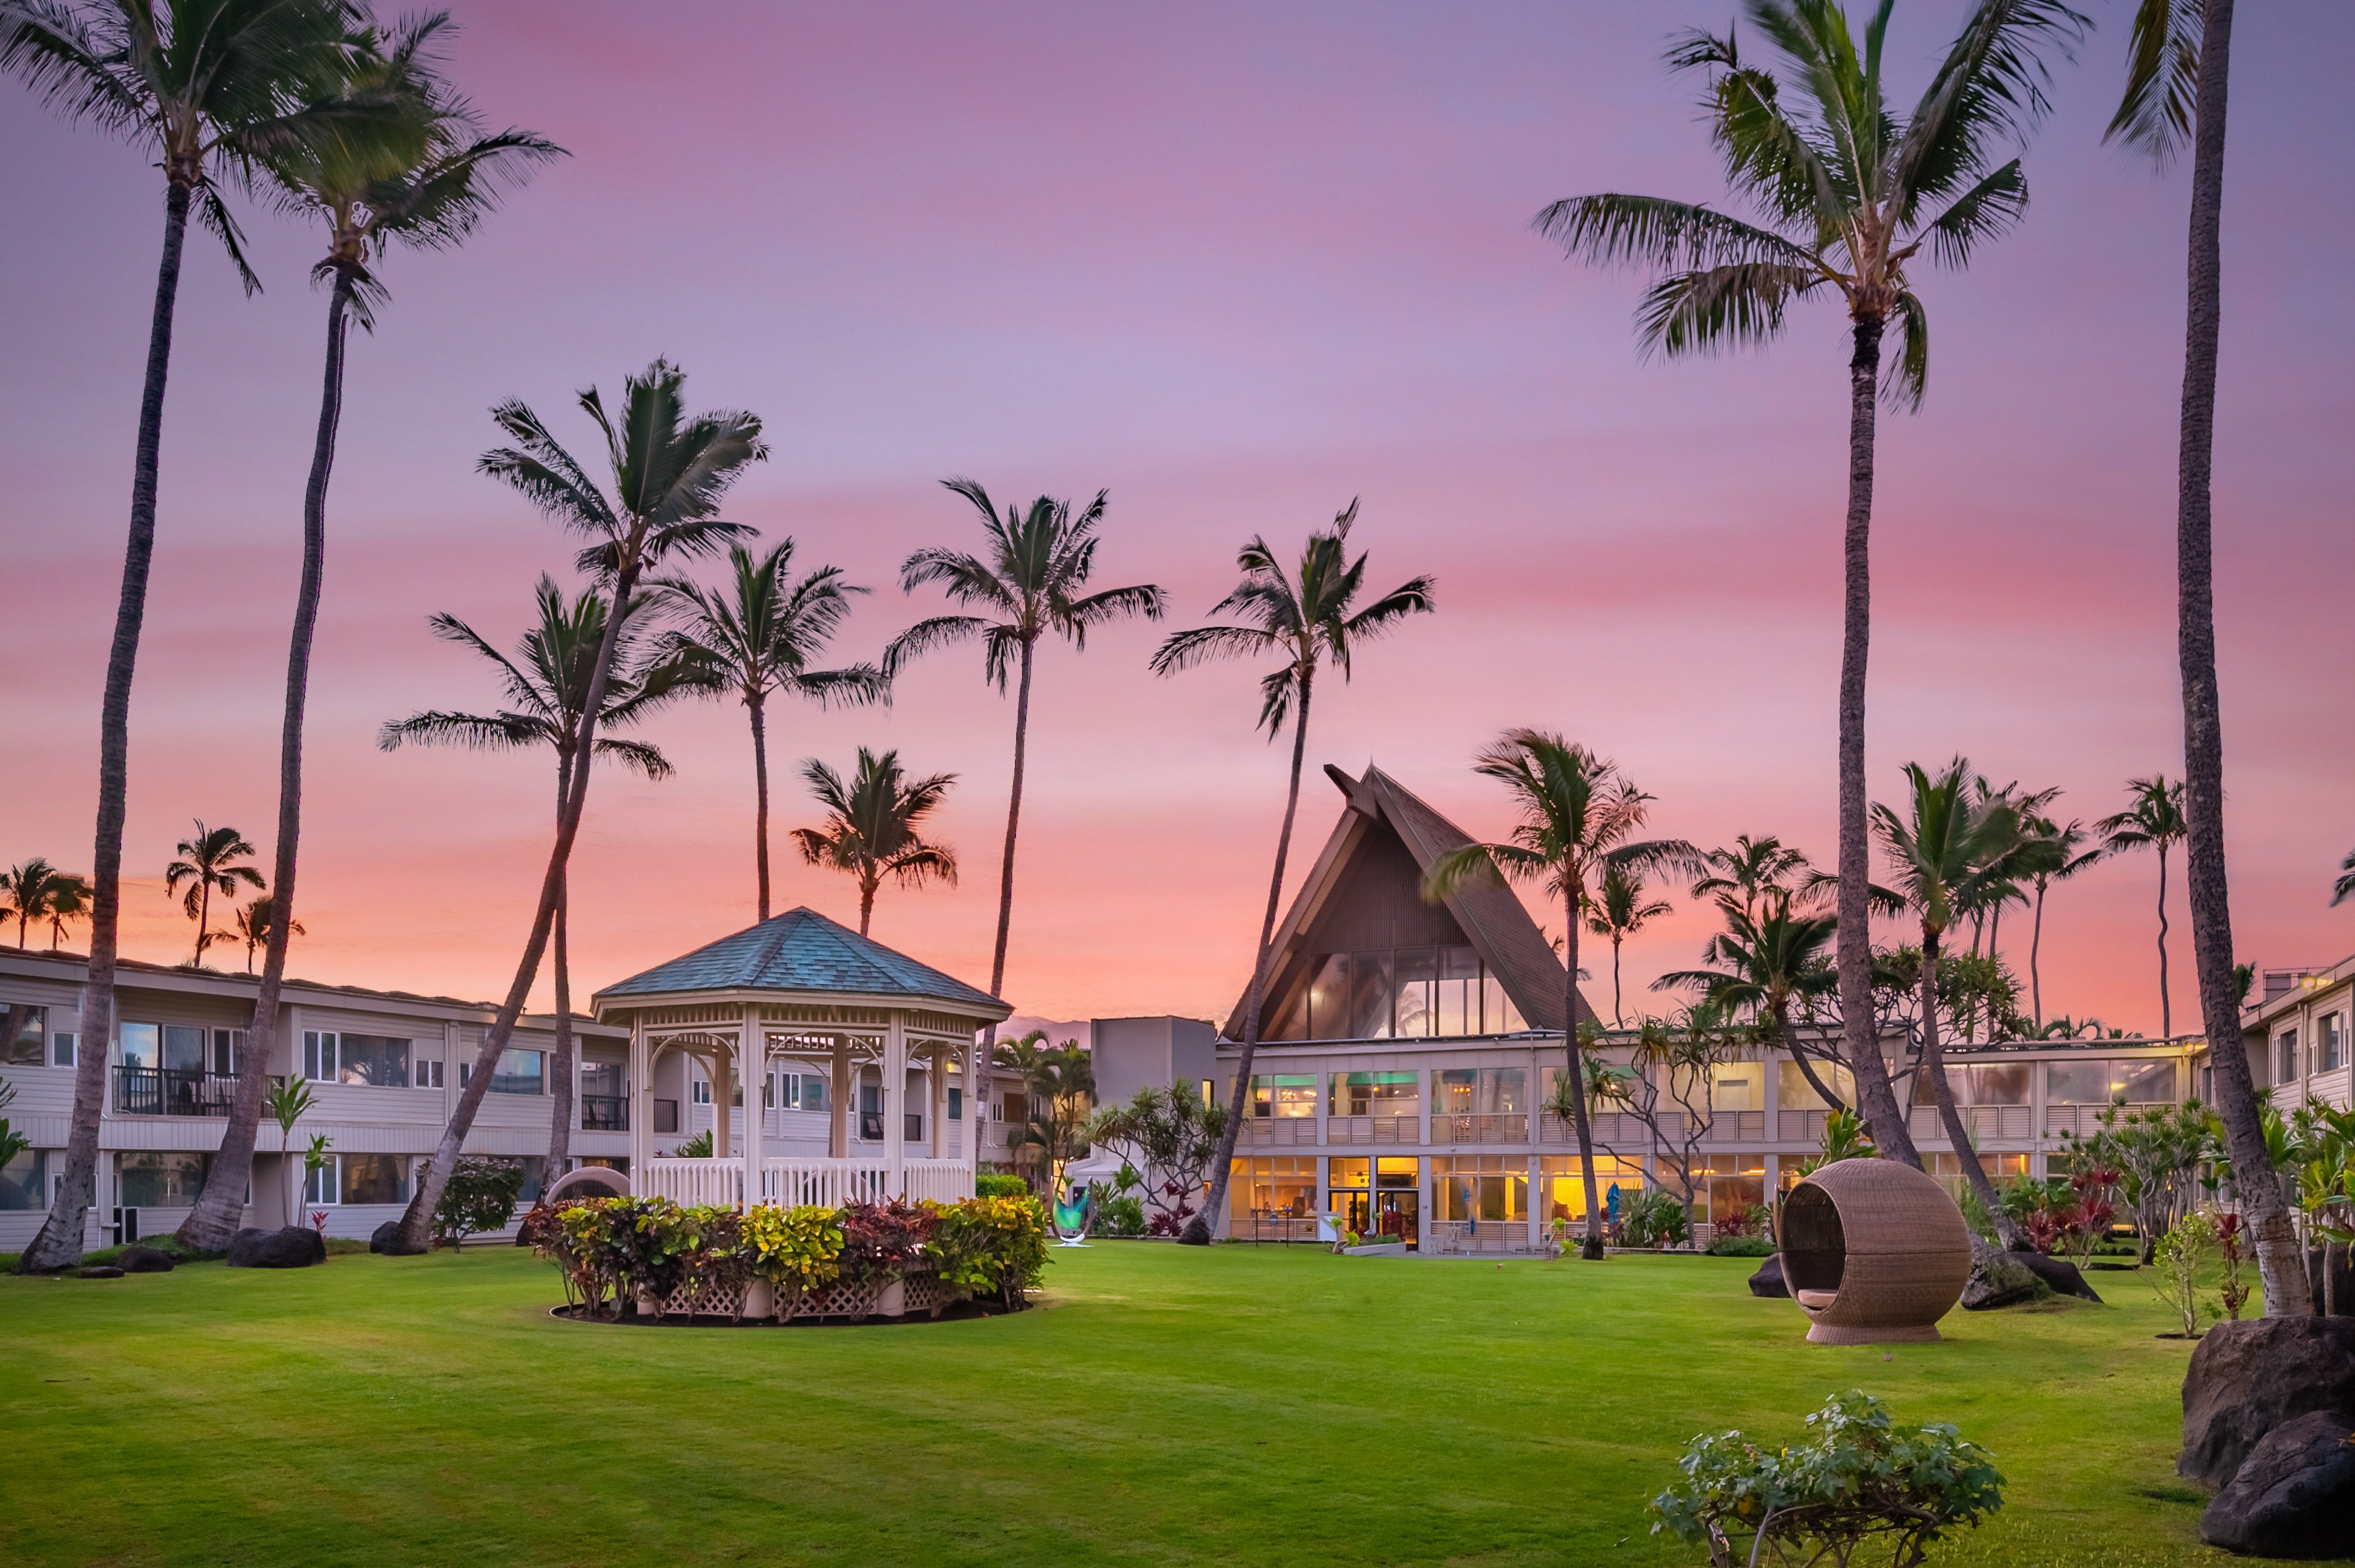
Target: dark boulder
[
  {"x": 99, "y": 1271},
  {"x": 143, "y": 1260},
  {"x": 1999, "y": 1278},
  {"x": 386, "y": 1239},
  {"x": 2294, "y": 1495},
  {"x": 2343, "y": 1280},
  {"x": 2247, "y": 1378},
  {"x": 1768, "y": 1280},
  {"x": 2059, "y": 1274},
  {"x": 296, "y": 1247}
]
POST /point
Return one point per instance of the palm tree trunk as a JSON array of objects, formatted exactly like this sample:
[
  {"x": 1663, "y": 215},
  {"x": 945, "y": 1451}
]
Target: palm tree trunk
[
  {"x": 416, "y": 1222},
  {"x": 866, "y": 904},
  {"x": 1858, "y": 1033},
  {"x": 2281, "y": 1262},
  {"x": 2035, "y": 947},
  {"x": 561, "y": 1070},
  {"x": 204, "y": 913},
  {"x": 1198, "y": 1230},
  {"x": 1790, "y": 1038},
  {"x": 1013, "y": 821},
  {"x": 760, "y": 796},
  {"x": 1618, "y": 1014},
  {"x": 58, "y": 1245},
  {"x": 1592, "y": 1247},
  {"x": 221, "y": 1205},
  {"x": 2166, "y": 1009},
  {"x": 1934, "y": 1063}
]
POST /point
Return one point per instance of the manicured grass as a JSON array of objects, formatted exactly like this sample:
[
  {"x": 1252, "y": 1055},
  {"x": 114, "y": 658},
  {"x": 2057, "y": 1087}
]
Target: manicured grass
[{"x": 1235, "y": 1405}]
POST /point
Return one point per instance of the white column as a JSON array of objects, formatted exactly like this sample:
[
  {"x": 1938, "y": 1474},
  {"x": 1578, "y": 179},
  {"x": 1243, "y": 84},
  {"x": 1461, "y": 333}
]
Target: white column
[
  {"x": 977, "y": 1104},
  {"x": 642, "y": 1106},
  {"x": 937, "y": 1077},
  {"x": 752, "y": 1068},
  {"x": 895, "y": 1099}
]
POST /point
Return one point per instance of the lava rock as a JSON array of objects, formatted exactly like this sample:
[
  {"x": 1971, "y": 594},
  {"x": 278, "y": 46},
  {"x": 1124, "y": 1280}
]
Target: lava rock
[
  {"x": 143, "y": 1260},
  {"x": 2059, "y": 1274},
  {"x": 2248, "y": 1378},
  {"x": 2292, "y": 1494},
  {"x": 2343, "y": 1280},
  {"x": 1999, "y": 1278},
  {"x": 296, "y": 1247},
  {"x": 1768, "y": 1280},
  {"x": 99, "y": 1271}
]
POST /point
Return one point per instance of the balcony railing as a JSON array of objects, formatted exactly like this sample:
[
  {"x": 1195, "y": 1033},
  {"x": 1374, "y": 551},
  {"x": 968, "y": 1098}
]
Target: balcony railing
[
  {"x": 1507, "y": 1126},
  {"x": 1356, "y": 1130},
  {"x": 171, "y": 1091},
  {"x": 605, "y": 1113},
  {"x": 1278, "y": 1131}
]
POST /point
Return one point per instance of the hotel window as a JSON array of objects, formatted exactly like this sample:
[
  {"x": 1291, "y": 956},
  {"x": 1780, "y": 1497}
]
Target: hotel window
[
  {"x": 319, "y": 1055},
  {"x": 2000, "y": 1083},
  {"x": 797, "y": 1091},
  {"x": 1732, "y": 1186},
  {"x": 360, "y": 1179},
  {"x": 1925, "y": 1089},
  {"x": 1737, "y": 1086},
  {"x": 25, "y": 1180},
  {"x": 2333, "y": 1042},
  {"x": 1479, "y": 1091},
  {"x": 1348, "y": 1183},
  {"x": 25, "y": 1043},
  {"x": 1402, "y": 993},
  {"x": 139, "y": 1045},
  {"x": 2286, "y": 1056},
  {"x": 379, "y": 1062},
  {"x": 1286, "y": 1096},
  {"x": 698, "y": 1090},
  {"x": 1561, "y": 1185},
  {"x": 521, "y": 1073},
  {"x": 1271, "y": 1189},
  {"x": 228, "y": 1049},
  {"x": 1494, "y": 1187},
  {"x": 61, "y": 1049},
  {"x": 159, "y": 1178},
  {"x": 2101, "y": 1083},
  {"x": 1793, "y": 1093},
  {"x": 1377, "y": 1093}
]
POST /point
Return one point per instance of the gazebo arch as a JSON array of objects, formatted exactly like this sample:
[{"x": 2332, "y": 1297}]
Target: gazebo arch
[{"x": 799, "y": 988}]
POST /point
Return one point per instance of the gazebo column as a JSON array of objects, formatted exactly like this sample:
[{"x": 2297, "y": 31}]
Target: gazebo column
[
  {"x": 837, "y": 1134},
  {"x": 642, "y": 1106},
  {"x": 718, "y": 1067},
  {"x": 751, "y": 1062},
  {"x": 936, "y": 1072},
  {"x": 976, "y": 1103},
  {"x": 895, "y": 1099}
]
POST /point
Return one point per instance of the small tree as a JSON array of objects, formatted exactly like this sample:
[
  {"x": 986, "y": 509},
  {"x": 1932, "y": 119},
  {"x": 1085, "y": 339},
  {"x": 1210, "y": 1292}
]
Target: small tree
[
  {"x": 12, "y": 1142},
  {"x": 481, "y": 1196},
  {"x": 1058, "y": 1082},
  {"x": 1172, "y": 1137},
  {"x": 289, "y": 1099},
  {"x": 2156, "y": 1154},
  {"x": 2178, "y": 1258},
  {"x": 316, "y": 1157},
  {"x": 1666, "y": 1087},
  {"x": 1858, "y": 1486}
]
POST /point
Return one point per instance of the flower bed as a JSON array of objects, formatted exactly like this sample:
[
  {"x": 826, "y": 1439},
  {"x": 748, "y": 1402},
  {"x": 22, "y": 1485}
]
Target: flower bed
[{"x": 648, "y": 1259}]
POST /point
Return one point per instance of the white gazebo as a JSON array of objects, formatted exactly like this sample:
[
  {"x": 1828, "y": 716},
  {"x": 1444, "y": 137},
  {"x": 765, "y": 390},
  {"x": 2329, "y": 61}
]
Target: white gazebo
[{"x": 849, "y": 1056}]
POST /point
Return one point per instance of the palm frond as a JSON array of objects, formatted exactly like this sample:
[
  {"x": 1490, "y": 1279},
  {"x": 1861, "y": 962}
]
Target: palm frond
[
  {"x": 1183, "y": 650},
  {"x": 939, "y": 631},
  {"x": 1738, "y": 306},
  {"x": 1614, "y": 229},
  {"x": 2162, "y": 87},
  {"x": 1989, "y": 211},
  {"x": 1905, "y": 380}
]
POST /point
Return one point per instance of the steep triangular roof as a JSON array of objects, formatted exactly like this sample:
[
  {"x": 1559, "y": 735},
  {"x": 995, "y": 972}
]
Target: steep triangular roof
[
  {"x": 802, "y": 950},
  {"x": 1492, "y": 919}
]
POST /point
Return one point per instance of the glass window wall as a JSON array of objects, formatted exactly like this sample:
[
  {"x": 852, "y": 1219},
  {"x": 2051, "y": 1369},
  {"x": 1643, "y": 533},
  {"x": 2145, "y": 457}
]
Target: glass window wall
[
  {"x": 1792, "y": 1093},
  {"x": 1283, "y": 1096},
  {"x": 1377, "y": 1093},
  {"x": 1563, "y": 1186},
  {"x": 1280, "y": 1190},
  {"x": 1479, "y": 1091},
  {"x": 376, "y": 1061},
  {"x": 160, "y": 1178},
  {"x": 1737, "y": 1086},
  {"x": 1481, "y": 1187},
  {"x": 1400, "y": 993},
  {"x": 24, "y": 1181},
  {"x": 23, "y": 1035},
  {"x": 2098, "y": 1083}
]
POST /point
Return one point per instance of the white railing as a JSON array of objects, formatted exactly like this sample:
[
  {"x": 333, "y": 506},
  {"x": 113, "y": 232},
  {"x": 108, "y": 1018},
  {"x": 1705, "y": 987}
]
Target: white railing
[
  {"x": 828, "y": 1184},
  {"x": 941, "y": 1180},
  {"x": 698, "y": 1182}
]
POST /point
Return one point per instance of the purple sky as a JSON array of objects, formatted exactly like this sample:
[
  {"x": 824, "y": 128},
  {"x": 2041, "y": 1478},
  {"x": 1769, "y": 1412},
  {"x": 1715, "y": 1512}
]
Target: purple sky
[{"x": 1237, "y": 264}]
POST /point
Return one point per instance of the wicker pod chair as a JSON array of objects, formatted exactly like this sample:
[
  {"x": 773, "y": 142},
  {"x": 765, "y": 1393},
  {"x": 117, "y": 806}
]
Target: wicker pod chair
[{"x": 1874, "y": 1251}]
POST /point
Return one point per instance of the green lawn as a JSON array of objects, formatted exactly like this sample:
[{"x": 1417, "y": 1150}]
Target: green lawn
[{"x": 1235, "y": 1405}]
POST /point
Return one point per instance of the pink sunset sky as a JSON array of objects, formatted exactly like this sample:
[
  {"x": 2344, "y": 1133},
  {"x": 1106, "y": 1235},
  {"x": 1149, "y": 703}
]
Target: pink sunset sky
[{"x": 1236, "y": 264}]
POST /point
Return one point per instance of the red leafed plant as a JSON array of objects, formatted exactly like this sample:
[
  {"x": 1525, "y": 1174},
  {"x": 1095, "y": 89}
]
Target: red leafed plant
[{"x": 883, "y": 1239}]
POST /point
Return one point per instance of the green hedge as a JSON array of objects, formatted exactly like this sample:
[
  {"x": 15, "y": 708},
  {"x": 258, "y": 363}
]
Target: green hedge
[
  {"x": 612, "y": 1249},
  {"x": 1001, "y": 1187}
]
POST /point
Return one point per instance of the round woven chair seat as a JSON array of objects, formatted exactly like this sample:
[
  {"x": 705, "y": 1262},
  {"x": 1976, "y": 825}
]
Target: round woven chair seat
[{"x": 1873, "y": 1251}]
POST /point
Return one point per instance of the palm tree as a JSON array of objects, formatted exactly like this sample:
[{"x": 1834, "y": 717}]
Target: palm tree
[
  {"x": 2153, "y": 821},
  {"x": 1617, "y": 911},
  {"x": 1942, "y": 852},
  {"x": 669, "y": 471},
  {"x": 28, "y": 888},
  {"x": 68, "y": 901},
  {"x": 209, "y": 859},
  {"x": 1766, "y": 962},
  {"x": 1026, "y": 584},
  {"x": 1848, "y": 196},
  {"x": 1310, "y": 619},
  {"x": 873, "y": 826},
  {"x": 1752, "y": 868},
  {"x": 1060, "y": 1081},
  {"x": 1577, "y": 815},
  {"x": 417, "y": 173},
  {"x": 253, "y": 930},
  {"x": 758, "y": 638},
  {"x": 2064, "y": 856},
  {"x": 545, "y": 686},
  {"x": 2178, "y": 76},
  {"x": 206, "y": 86}
]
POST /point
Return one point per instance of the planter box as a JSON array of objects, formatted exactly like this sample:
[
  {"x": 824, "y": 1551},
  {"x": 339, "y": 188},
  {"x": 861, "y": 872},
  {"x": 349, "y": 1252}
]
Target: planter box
[{"x": 1376, "y": 1249}]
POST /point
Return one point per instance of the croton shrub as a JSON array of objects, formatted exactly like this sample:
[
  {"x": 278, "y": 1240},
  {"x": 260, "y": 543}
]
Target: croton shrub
[{"x": 612, "y": 1250}]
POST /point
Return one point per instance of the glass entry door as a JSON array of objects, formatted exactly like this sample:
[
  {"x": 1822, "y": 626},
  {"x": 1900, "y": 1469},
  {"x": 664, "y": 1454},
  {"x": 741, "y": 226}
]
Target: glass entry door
[{"x": 1398, "y": 1199}]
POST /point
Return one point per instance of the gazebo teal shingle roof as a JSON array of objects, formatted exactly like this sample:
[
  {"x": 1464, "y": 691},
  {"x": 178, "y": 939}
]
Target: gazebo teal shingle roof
[{"x": 801, "y": 949}]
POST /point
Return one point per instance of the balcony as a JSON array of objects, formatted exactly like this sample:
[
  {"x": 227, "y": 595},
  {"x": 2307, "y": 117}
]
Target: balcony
[
  {"x": 606, "y": 1113},
  {"x": 171, "y": 1091},
  {"x": 1278, "y": 1132},
  {"x": 1508, "y": 1126},
  {"x": 1358, "y": 1129}
]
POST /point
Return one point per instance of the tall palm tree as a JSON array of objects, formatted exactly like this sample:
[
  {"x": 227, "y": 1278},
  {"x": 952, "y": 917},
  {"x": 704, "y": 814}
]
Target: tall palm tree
[
  {"x": 416, "y": 172},
  {"x": 2179, "y": 76},
  {"x": 1941, "y": 851},
  {"x": 206, "y": 86},
  {"x": 1752, "y": 868},
  {"x": 1577, "y": 815},
  {"x": 874, "y": 826},
  {"x": 1848, "y": 196},
  {"x": 1766, "y": 962},
  {"x": 210, "y": 858},
  {"x": 27, "y": 887},
  {"x": 2154, "y": 821},
  {"x": 545, "y": 686},
  {"x": 2065, "y": 855},
  {"x": 253, "y": 930},
  {"x": 669, "y": 471},
  {"x": 1311, "y": 619},
  {"x": 1617, "y": 911},
  {"x": 1026, "y": 584},
  {"x": 68, "y": 901},
  {"x": 756, "y": 638}
]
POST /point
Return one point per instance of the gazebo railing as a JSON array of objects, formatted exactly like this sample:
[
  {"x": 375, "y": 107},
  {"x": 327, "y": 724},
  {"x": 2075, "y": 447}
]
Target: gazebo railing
[{"x": 828, "y": 1184}]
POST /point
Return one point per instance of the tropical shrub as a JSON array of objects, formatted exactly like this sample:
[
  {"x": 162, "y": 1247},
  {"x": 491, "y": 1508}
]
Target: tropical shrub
[
  {"x": 696, "y": 1147},
  {"x": 1857, "y": 1485},
  {"x": 1740, "y": 1246},
  {"x": 481, "y": 1197},
  {"x": 995, "y": 1186},
  {"x": 1121, "y": 1216},
  {"x": 988, "y": 1247},
  {"x": 1654, "y": 1218},
  {"x": 2176, "y": 1265},
  {"x": 886, "y": 1240},
  {"x": 795, "y": 1249}
]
